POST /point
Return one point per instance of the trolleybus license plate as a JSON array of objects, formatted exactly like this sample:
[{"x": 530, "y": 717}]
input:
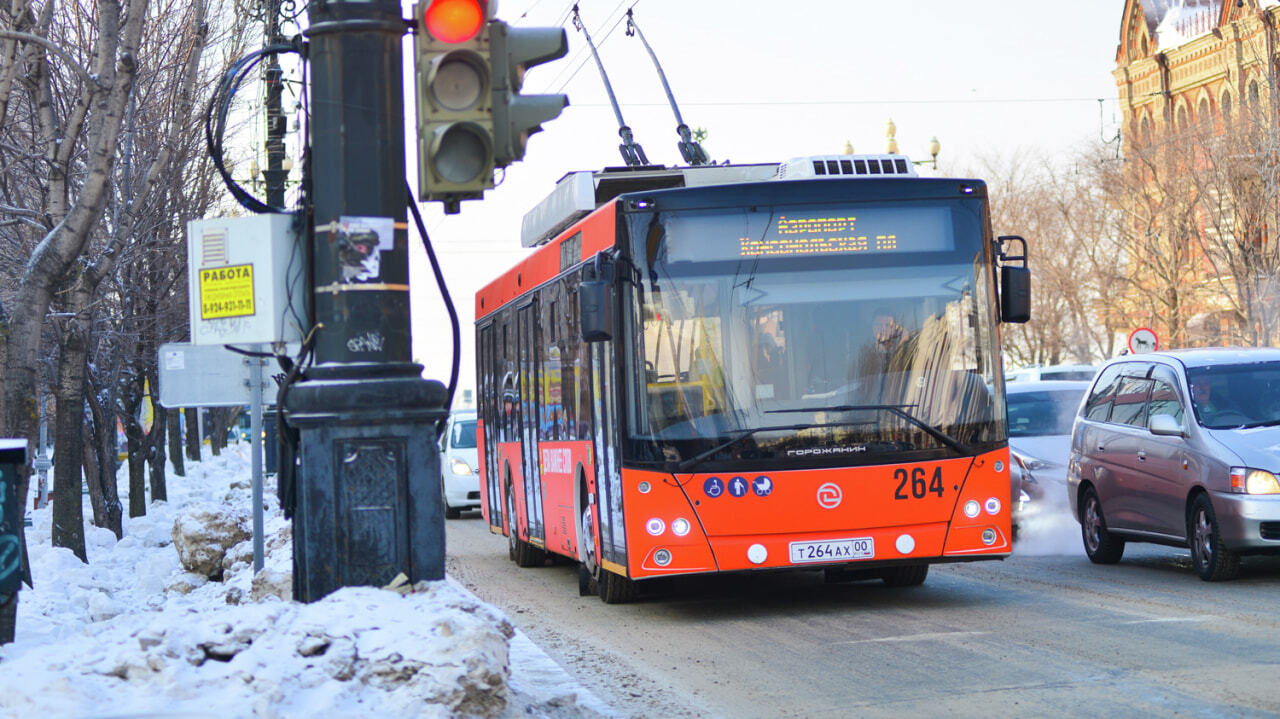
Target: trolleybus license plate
[{"x": 833, "y": 550}]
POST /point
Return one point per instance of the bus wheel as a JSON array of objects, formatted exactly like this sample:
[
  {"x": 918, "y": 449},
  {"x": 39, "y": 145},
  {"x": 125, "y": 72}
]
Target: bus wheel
[
  {"x": 909, "y": 575},
  {"x": 616, "y": 589},
  {"x": 587, "y": 565},
  {"x": 523, "y": 553}
]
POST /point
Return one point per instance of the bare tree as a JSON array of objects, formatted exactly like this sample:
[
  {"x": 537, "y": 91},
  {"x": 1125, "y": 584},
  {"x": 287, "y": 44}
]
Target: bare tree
[
  {"x": 1058, "y": 209},
  {"x": 1238, "y": 175}
]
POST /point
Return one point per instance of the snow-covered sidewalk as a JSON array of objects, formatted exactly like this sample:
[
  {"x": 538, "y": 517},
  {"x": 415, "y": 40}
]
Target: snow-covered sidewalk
[{"x": 134, "y": 632}]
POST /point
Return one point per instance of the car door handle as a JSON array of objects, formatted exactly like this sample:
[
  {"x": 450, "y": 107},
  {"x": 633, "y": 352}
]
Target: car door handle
[
  {"x": 1142, "y": 456},
  {"x": 1101, "y": 448}
]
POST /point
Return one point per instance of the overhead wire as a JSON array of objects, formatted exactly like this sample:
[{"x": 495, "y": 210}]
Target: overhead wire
[{"x": 583, "y": 53}]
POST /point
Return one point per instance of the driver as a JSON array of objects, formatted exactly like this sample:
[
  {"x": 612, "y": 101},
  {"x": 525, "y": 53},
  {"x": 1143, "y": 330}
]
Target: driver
[{"x": 1211, "y": 401}]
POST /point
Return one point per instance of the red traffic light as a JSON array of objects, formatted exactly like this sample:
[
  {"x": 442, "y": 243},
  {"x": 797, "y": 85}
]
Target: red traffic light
[{"x": 455, "y": 20}]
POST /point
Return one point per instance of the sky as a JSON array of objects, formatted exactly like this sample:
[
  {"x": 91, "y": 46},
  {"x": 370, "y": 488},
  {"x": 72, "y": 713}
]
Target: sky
[
  {"x": 772, "y": 81},
  {"x": 131, "y": 633}
]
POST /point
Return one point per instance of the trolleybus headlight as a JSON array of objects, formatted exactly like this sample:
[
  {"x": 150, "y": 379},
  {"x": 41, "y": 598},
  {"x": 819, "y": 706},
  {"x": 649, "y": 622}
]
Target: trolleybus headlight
[
  {"x": 971, "y": 508},
  {"x": 993, "y": 505},
  {"x": 757, "y": 554},
  {"x": 988, "y": 536},
  {"x": 680, "y": 526},
  {"x": 655, "y": 526},
  {"x": 662, "y": 557}
]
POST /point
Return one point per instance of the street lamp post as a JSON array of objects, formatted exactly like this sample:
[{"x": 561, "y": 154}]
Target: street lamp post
[
  {"x": 935, "y": 147},
  {"x": 368, "y": 497}
]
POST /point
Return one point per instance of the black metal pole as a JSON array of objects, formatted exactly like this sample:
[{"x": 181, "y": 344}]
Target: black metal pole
[
  {"x": 368, "y": 493},
  {"x": 277, "y": 123}
]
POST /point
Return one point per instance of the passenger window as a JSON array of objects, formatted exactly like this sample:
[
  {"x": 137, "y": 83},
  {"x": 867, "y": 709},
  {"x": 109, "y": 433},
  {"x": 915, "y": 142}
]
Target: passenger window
[
  {"x": 1131, "y": 401},
  {"x": 1104, "y": 390},
  {"x": 1164, "y": 399}
]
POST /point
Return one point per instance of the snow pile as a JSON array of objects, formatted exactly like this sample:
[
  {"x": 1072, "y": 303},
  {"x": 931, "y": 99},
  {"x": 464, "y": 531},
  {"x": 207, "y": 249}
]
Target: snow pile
[{"x": 147, "y": 626}]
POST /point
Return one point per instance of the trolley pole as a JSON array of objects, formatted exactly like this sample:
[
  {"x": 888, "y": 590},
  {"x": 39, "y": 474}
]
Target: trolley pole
[{"x": 368, "y": 486}]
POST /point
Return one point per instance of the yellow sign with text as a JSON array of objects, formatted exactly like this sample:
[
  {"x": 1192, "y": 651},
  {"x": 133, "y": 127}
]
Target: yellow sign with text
[{"x": 226, "y": 292}]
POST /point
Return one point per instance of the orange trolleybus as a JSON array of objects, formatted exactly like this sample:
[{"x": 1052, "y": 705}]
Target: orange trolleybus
[{"x": 758, "y": 367}]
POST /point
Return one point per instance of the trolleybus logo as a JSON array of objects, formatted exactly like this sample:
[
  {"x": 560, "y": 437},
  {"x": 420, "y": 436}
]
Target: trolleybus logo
[{"x": 829, "y": 496}]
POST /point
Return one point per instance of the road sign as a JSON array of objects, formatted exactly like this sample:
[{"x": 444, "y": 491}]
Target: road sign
[
  {"x": 1143, "y": 340},
  {"x": 206, "y": 376}
]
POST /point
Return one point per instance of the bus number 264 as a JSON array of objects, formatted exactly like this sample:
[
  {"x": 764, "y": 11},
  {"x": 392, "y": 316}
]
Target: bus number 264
[{"x": 919, "y": 485}]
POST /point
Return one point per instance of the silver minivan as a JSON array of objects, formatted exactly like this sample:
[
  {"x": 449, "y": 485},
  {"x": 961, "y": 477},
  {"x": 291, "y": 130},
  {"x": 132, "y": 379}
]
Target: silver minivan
[{"x": 1180, "y": 448}]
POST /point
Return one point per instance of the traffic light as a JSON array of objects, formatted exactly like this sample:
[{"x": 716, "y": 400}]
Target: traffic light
[
  {"x": 516, "y": 116},
  {"x": 455, "y": 101}
]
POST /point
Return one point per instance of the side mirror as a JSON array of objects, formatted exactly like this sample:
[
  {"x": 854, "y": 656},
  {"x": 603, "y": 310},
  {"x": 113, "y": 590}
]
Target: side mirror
[
  {"x": 595, "y": 307},
  {"x": 1166, "y": 426},
  {"x": 1015, "y": 294}
]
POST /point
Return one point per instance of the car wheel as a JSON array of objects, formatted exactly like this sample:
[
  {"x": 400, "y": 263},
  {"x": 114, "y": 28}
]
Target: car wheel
[
  {"x": 449, "y": 512},
  {"x": 520, "y": 551},
  {"x": 909, "y": 575},
  {"x": 1102, "y": 546},
  {"x": 1213, "y": 562}
]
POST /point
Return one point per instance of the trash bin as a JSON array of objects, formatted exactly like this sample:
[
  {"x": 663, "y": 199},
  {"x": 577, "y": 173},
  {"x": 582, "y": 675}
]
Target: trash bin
[{"x": 13, "y": 456}]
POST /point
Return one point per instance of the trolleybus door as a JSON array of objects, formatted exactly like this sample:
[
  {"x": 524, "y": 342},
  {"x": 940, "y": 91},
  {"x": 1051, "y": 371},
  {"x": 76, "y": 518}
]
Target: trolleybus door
[
  {"x": 613, "y": 542},
  {"x": 490, "y": 404},
  {"x": 530, "y": 381}
]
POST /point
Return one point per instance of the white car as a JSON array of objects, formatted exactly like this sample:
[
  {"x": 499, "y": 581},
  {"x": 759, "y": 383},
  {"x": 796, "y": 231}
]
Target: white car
[
  {"x": 459, "y": 464},
  {"x": 1071, "y": 372}
]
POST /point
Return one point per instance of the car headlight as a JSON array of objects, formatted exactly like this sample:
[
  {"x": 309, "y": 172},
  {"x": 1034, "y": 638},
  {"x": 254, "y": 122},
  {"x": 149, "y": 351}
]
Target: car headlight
[
  {"x": 1245, "y": 480},
  {"x": 460, "y": 467},
  {"x": 1029, "y": 463}
]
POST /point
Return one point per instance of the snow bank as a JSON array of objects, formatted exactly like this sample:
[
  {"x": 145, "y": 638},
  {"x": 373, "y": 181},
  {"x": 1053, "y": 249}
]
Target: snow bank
[{"x": 147, "y": 626}]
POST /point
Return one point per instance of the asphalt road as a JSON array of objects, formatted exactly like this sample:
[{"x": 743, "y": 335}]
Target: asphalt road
[{"x": 1044, "y": 633}]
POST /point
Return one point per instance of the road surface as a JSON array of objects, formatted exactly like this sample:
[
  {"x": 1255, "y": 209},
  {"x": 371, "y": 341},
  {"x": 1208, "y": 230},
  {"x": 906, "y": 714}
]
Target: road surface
[{"x": 1035, "y": 635}]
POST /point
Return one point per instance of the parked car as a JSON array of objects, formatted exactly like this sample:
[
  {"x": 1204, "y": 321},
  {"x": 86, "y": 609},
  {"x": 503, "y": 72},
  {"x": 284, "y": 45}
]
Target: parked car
[
  {"x": 1075, "y": 372},
  {"x": 1040, "y": 417},
  {"x": 459, "y": 464},
  {"x": 1181, "y": 448}
]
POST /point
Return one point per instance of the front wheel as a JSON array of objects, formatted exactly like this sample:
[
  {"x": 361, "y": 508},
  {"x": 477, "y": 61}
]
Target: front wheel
[
  {"x": 908, "y": 575},
  {"x": 615, "y": 588},
  {"x": 1213, "y": 562},
  {"x": 1102, "y": 546}
]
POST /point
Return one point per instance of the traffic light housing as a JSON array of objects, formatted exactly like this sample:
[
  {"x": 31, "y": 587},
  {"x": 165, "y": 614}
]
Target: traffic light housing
[
  {"x": 454, "y": 90},
  {"x": 515, "y": 117}
]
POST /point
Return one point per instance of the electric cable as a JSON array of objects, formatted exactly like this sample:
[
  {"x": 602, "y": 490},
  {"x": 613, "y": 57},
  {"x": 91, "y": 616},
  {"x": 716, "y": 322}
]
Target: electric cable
[
  {"x": 448, "y": 304},
  {"x": 220, "y": 106}
]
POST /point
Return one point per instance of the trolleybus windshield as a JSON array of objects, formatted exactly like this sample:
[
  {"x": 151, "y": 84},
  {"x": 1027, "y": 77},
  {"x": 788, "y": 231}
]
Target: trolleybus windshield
[{"x": 794, "y": 336}]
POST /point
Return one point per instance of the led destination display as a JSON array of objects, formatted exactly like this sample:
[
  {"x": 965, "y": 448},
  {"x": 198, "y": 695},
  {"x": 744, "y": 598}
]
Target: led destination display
[{"x": 800, "y": 234}]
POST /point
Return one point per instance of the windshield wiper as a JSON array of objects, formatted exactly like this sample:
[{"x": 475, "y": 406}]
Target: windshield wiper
[
  {"x": 897, "y": 409},
  {"x": 698, "y": 458},
  {"x": 1267, "y": 423}
]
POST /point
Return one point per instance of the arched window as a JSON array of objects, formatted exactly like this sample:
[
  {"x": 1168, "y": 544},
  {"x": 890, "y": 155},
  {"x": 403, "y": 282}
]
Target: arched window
[
  {"x": 1225, "y": 104},
  {"x": 1144, "y": 130},
  {"x": 1253, "y": 93},
  {"x": 1181, "y": 118}
]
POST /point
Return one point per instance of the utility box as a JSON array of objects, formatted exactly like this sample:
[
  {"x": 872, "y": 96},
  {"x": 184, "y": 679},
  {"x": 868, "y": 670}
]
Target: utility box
[
  {"x": 246, "y": 280},
  {"x": 13, "y": 456}
]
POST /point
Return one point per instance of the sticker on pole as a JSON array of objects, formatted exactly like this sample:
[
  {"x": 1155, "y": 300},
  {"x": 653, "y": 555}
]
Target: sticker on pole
[
  {"x": 226, "y": 292},
  {"x": 1143, "y": 340}
]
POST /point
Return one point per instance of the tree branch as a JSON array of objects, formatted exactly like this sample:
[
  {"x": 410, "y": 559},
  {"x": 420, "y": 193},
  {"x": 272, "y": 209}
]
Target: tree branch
[{"x": 56, "y": 50}]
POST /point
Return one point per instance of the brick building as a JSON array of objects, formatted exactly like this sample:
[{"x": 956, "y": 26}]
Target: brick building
[{"x": 1197, "y": 84}]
